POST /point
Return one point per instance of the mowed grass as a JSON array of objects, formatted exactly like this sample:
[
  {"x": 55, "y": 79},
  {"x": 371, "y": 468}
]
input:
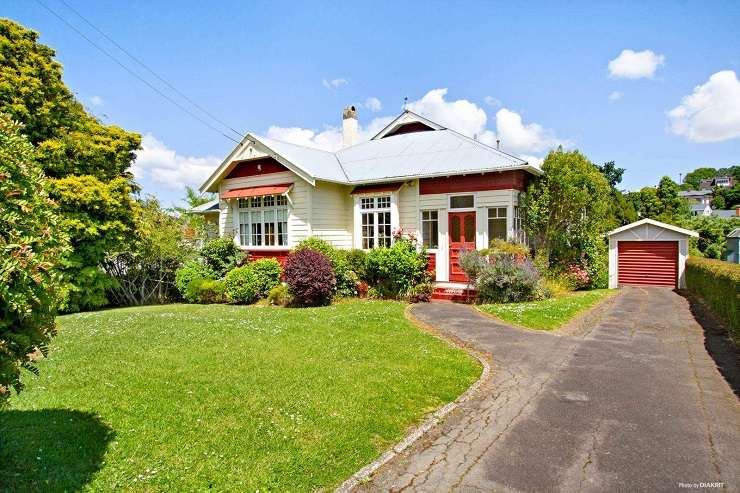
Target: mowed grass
[
  {"x": 547, "y": 314},
  {"x": 224, "y": 398}
]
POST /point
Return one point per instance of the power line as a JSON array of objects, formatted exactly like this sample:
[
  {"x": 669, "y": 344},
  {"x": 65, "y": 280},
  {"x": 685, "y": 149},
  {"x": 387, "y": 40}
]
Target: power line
[
  {"x": 148, "y": 69},
  {"x": 134, "y": 74}
]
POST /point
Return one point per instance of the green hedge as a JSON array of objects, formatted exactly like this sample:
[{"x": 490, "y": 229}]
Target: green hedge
[{"x": 718, "y": 283}]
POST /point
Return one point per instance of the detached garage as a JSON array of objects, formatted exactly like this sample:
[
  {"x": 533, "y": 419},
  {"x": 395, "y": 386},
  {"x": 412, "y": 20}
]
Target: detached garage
[{"x": 648, "y": 253}]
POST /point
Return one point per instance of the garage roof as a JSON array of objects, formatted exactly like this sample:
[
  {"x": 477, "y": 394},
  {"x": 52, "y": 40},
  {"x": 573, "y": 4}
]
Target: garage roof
[{"x": 658, "y": 224}]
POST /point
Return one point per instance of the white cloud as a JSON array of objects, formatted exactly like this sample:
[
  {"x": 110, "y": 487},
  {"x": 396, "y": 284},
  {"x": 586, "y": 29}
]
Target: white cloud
[
  {"x": 461, "y": 115},
  {"x": 373, "y": 104},
  {"x": 97, "y": 101},
  {"x": 712, "y": 112},
  {"x": 334, "y": 83},
  {"x": 635, "y": 65},
  {"x": 491, "y": 101},
  {"x": 615, "y": 95},
  {"x": 162, "y": 165},
  {"x": 329, "y": 139}
]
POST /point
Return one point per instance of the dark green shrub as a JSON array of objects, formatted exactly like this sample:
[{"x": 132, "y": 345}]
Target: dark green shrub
[
  {"x": 191, "y": 270},
  {"x": 205, "y": 291},
  {"x": 507, "y": 279},
  {"x": 221, "y": 255},
  {"x": 356, "y": 259},
  {"x": 392, "y": 271},
  {"x": 242, "y": 285},
  {"x": 279, "y": 295},
  {"x": 718, "y": 283},
  {"x": 310, "y": 277},
  {"x": 267, "y": 272}
]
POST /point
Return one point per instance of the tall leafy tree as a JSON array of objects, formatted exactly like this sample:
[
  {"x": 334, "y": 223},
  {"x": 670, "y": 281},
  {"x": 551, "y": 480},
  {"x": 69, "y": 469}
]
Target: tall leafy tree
[
  {"x": 622, "y": 210},
  {"x": 672, "y": 205},
  {"x": 67, "y": 139},
  {"x": 100, "y": 218},
  {"x": 566, "y": 206},
  {"x": 31, "y": 245},
  {"x": 88, "y": 161},
  {"x": 693, "y": 179}
]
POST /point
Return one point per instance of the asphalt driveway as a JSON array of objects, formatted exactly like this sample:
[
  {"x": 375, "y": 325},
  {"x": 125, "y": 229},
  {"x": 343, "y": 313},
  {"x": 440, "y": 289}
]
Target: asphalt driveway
[{"x": 634, "y": 404}]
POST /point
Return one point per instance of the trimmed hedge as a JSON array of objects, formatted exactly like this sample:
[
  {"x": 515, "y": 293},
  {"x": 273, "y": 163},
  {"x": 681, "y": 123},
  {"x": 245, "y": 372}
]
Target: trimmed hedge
[{"x": 718, "y": 283}]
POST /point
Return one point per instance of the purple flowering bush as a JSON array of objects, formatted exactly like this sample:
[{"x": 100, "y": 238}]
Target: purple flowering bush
[{"x": 310, "y": 277}]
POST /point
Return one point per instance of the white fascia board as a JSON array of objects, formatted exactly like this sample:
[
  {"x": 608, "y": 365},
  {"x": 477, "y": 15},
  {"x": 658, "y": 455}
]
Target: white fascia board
[
  {"x": 655, "y": 223},
  {"x": 211, "y": 183}
]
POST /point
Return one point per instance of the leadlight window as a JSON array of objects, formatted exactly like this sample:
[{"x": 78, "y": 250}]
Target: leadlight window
[
  {"x": 430, "y": 229},
  {"x": 376, "y": 222},
  {"x": 462, "y": 202},
  {"x": 497, "y": 223},
  {"x": 263, "y": 221}
]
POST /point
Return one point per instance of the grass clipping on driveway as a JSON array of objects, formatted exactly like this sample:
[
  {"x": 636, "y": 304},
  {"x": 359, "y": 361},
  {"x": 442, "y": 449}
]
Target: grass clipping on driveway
[
  {"x": 228, "y": 398},
  {"x": 547, "y": 314}
]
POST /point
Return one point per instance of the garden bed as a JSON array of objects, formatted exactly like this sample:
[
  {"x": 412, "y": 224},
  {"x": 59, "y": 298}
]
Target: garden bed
[
  {"x": 549, "y": 314},
  {"x": 228, "y": 398}
]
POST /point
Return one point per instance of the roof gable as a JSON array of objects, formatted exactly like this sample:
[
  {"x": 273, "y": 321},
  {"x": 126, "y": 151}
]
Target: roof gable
[
  {"x": 655, "y": 223},
  {"x": 405, "y": 119}
]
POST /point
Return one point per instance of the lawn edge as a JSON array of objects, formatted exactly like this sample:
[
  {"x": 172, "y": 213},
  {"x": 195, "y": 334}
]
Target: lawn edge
[
  {"x": 436, "y": 418},
  {"x": 574, "y": 326}
]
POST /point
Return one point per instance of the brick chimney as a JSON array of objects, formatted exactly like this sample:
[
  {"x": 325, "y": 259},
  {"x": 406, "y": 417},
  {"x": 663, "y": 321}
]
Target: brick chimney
[{"x": 349, "y": 126}]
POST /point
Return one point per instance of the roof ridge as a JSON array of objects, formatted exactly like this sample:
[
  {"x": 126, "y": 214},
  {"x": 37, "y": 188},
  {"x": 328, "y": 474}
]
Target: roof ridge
[{"x": 294, "y": 144}]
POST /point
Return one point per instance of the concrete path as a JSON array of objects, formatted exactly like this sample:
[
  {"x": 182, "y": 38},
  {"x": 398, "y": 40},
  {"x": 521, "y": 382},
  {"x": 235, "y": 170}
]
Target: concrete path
[{"x": 635, "y": 404}]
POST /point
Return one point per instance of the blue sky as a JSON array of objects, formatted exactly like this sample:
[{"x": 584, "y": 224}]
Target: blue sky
[{"x": 533, "y": 74}]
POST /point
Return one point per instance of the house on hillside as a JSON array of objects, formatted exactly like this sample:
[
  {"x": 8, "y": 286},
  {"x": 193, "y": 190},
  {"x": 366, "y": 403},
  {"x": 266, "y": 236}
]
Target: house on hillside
[
  {"x": 415, "y": 175},
  {"x": 699, "y": 201},
  {"x": 717, "y": 181}
]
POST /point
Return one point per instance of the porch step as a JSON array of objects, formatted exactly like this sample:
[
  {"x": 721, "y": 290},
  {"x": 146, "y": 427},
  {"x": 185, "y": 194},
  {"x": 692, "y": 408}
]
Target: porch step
[{"x": 453, "y": 293}]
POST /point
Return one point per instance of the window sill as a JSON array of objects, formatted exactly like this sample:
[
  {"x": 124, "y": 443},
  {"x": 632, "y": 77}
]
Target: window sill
[{"x": 265, "y": 248}]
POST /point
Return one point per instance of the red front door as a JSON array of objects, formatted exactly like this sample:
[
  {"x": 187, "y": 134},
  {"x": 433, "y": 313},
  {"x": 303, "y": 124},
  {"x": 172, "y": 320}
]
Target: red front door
[{"x": 461, "y": 232}]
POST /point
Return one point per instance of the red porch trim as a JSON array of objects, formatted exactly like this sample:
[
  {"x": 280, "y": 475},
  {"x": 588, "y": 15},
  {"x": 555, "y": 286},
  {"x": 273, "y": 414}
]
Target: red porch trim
[
  {"x": 376, "y": 188},
  {"x": 240, "y": 193},
  {"x": 280, "y": 255},
  {"x": 500, "y": 180}
]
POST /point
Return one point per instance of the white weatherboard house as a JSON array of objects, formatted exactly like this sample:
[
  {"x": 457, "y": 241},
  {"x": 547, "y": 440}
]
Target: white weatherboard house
[{"x": 452, "y": 191}]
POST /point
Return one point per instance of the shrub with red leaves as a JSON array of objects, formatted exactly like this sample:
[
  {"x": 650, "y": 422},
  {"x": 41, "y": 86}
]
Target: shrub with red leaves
[{"x": 310, "y": 277}]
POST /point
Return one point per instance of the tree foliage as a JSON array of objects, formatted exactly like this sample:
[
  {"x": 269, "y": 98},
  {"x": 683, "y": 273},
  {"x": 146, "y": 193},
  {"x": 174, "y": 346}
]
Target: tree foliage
[
  {"x": 563, "y": 209},
  {"x": 100, "y": 219},
  {"x": 693, "y": 180},
  {"x": 31, "y": 244},
  {"x": 661, "y": 203},
  {"x": 145, "y": 271},
  {"x": 68, "y": 140}
]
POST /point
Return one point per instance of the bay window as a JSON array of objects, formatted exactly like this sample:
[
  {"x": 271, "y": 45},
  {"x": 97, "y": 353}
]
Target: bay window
[
  {"x": 375, "y": 214},
  {"x": 263, "y": 221}
]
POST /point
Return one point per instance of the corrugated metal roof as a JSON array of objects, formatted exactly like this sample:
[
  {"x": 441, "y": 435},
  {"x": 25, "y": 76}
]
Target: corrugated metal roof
[
  {"x": 421, "y": 154},
  {"x": 210, "y": 206},
  {"x": 435, "y": 153},
  {"x": 735, "y": 233}
]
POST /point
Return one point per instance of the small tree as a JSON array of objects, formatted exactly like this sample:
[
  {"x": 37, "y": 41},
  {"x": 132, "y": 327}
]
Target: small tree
[
  {"x": 31, "y": 244},
  {"x": 567, "y": 205}
]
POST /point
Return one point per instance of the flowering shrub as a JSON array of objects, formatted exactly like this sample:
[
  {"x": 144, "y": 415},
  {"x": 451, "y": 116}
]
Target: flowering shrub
[
  {"x": 506, "y": 279},
  {"x": 310, "y": 277},
  {"x": 578, "y": 276},
  {"x": 392, "y": 271}
]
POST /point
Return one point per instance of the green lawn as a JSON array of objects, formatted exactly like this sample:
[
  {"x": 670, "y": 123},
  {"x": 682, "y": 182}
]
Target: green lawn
[
  {"x": 224, "y": 398},
  {"x": 547, "y": 314}
]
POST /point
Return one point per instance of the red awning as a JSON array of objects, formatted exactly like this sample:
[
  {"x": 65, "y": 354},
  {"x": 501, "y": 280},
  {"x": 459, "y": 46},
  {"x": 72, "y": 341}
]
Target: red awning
[
  {"x": 377, "y": 188},
  {"x": 240, "y": 193}
]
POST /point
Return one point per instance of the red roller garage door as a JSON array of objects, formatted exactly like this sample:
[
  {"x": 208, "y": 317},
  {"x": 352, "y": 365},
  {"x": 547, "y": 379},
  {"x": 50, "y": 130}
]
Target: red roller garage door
[{"x": 648, "y": 263}]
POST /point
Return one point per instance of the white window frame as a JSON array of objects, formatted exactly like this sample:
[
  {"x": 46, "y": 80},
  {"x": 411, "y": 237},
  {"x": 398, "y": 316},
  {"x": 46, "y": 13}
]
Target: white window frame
[
  {"x": 462, "y": 209},
  {"x": 249, "y": 211},
  {"x": 505, "y": 218},
  {"x": 439, "y": 228},
  {"x": 359, "y": 211}
]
